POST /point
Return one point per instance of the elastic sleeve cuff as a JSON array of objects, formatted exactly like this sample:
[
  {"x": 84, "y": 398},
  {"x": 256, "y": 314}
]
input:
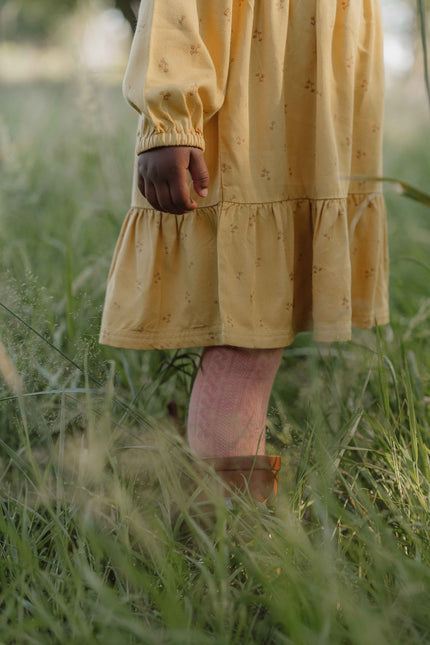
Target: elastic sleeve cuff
[{"x": 147, "y": 141}]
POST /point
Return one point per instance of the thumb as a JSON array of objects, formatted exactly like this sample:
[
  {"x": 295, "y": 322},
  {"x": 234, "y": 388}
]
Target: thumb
[{"x": 199, "y": 172}]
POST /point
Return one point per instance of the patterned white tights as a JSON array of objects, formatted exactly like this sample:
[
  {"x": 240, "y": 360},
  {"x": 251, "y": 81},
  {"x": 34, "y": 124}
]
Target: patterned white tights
[{"x": 229, "y": 401}]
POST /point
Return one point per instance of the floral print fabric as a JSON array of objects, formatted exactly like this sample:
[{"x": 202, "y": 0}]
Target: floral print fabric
[{"x": 286, "y": 99}]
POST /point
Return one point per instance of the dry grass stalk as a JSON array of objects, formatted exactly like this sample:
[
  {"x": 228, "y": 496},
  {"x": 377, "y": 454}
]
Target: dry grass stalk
[{"x": 9, "y": 372}]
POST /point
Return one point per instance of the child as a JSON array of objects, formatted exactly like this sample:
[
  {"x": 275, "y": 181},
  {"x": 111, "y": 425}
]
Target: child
[{"x": 270, "y": 105}]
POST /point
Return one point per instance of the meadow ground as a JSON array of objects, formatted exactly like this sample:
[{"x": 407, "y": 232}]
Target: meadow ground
[{"x": 101, "y": 538}]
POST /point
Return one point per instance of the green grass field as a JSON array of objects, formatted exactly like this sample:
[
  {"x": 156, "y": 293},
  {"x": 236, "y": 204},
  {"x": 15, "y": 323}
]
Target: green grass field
[{"x": 101, "y": 537}]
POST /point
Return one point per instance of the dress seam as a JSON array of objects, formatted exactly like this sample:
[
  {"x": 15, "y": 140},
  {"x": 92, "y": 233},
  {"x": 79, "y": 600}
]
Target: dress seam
[{"x": 279, "y": 201}]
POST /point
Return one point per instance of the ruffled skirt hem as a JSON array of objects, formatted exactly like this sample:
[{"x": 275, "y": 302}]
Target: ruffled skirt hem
[
  {"x": 248, "y": 275},
  {"x": 212, "y": 337}
]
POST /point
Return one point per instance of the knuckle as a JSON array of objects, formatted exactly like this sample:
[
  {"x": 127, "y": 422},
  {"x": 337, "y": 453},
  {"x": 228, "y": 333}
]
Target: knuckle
[{"x": 141, "y": 166}]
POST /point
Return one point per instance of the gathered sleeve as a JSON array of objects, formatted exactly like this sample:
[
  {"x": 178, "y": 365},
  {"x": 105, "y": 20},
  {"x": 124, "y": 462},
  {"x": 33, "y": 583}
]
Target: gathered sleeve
[{"x": 177, "y": 72}]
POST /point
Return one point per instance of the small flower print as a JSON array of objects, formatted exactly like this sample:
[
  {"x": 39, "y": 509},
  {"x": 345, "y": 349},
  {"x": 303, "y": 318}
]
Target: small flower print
[
  {"x": 260, "y": 77},
  {"x": 360, "y": 154},
  {"x": 265, "y": 174},
  {"x": 194, "y": 49},
  {"x": 163, "y": 65},
  {"x": 257, "y": 35},
  {"x": 311, "y": 86},
  {"x": 193, "y": 89}
]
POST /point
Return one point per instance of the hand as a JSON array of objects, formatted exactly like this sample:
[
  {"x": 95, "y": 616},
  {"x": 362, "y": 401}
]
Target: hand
[{"x": 162, "y": 177}]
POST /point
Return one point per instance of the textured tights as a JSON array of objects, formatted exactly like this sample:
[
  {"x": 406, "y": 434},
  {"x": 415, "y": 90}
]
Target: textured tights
[{"x": 229, "y": 401}]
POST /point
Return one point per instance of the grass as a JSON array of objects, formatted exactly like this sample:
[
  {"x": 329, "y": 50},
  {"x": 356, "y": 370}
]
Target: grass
[{"x": 101, "y": 535}]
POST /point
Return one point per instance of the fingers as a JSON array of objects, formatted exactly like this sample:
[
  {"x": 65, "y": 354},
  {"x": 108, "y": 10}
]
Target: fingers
[
  {"x": 199, "y": 172},
  {"x": 165, "y": 198},
  {"x": 141, "y": 184},
  {"x": 180, "y": 192},
  {"x": 161, "y": 198},
  {"x": 151, "y": 195},
  {"x": 162, "y": 178}
]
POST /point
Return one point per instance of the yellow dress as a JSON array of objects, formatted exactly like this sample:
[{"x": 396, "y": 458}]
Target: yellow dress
[{"x": 286, "y": 98}]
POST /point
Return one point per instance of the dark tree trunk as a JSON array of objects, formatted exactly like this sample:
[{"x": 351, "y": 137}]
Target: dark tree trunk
[{"x": 129, "y": 9}]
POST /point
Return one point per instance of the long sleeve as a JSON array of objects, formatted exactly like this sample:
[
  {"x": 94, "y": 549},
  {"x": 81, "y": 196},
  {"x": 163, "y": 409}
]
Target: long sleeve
[{"x": 177, "y": 72}]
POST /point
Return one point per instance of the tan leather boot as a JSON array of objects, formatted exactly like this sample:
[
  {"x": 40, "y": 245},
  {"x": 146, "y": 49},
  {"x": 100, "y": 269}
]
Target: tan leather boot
[{"x": 256, "y": 473}]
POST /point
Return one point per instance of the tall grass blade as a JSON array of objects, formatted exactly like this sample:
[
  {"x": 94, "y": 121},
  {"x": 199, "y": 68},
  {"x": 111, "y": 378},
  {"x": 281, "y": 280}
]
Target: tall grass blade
[
  {"x": 70, "y": 310},
  {"x": 422, "y": 21},
  {"x": 401, "y": 187}
]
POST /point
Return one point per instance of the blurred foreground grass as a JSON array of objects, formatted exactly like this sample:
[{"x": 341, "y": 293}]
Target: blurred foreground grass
[{"x": 100, "y": 532}]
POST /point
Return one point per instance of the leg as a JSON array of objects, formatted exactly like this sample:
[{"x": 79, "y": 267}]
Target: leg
[{"x": 229, "y": 401}]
